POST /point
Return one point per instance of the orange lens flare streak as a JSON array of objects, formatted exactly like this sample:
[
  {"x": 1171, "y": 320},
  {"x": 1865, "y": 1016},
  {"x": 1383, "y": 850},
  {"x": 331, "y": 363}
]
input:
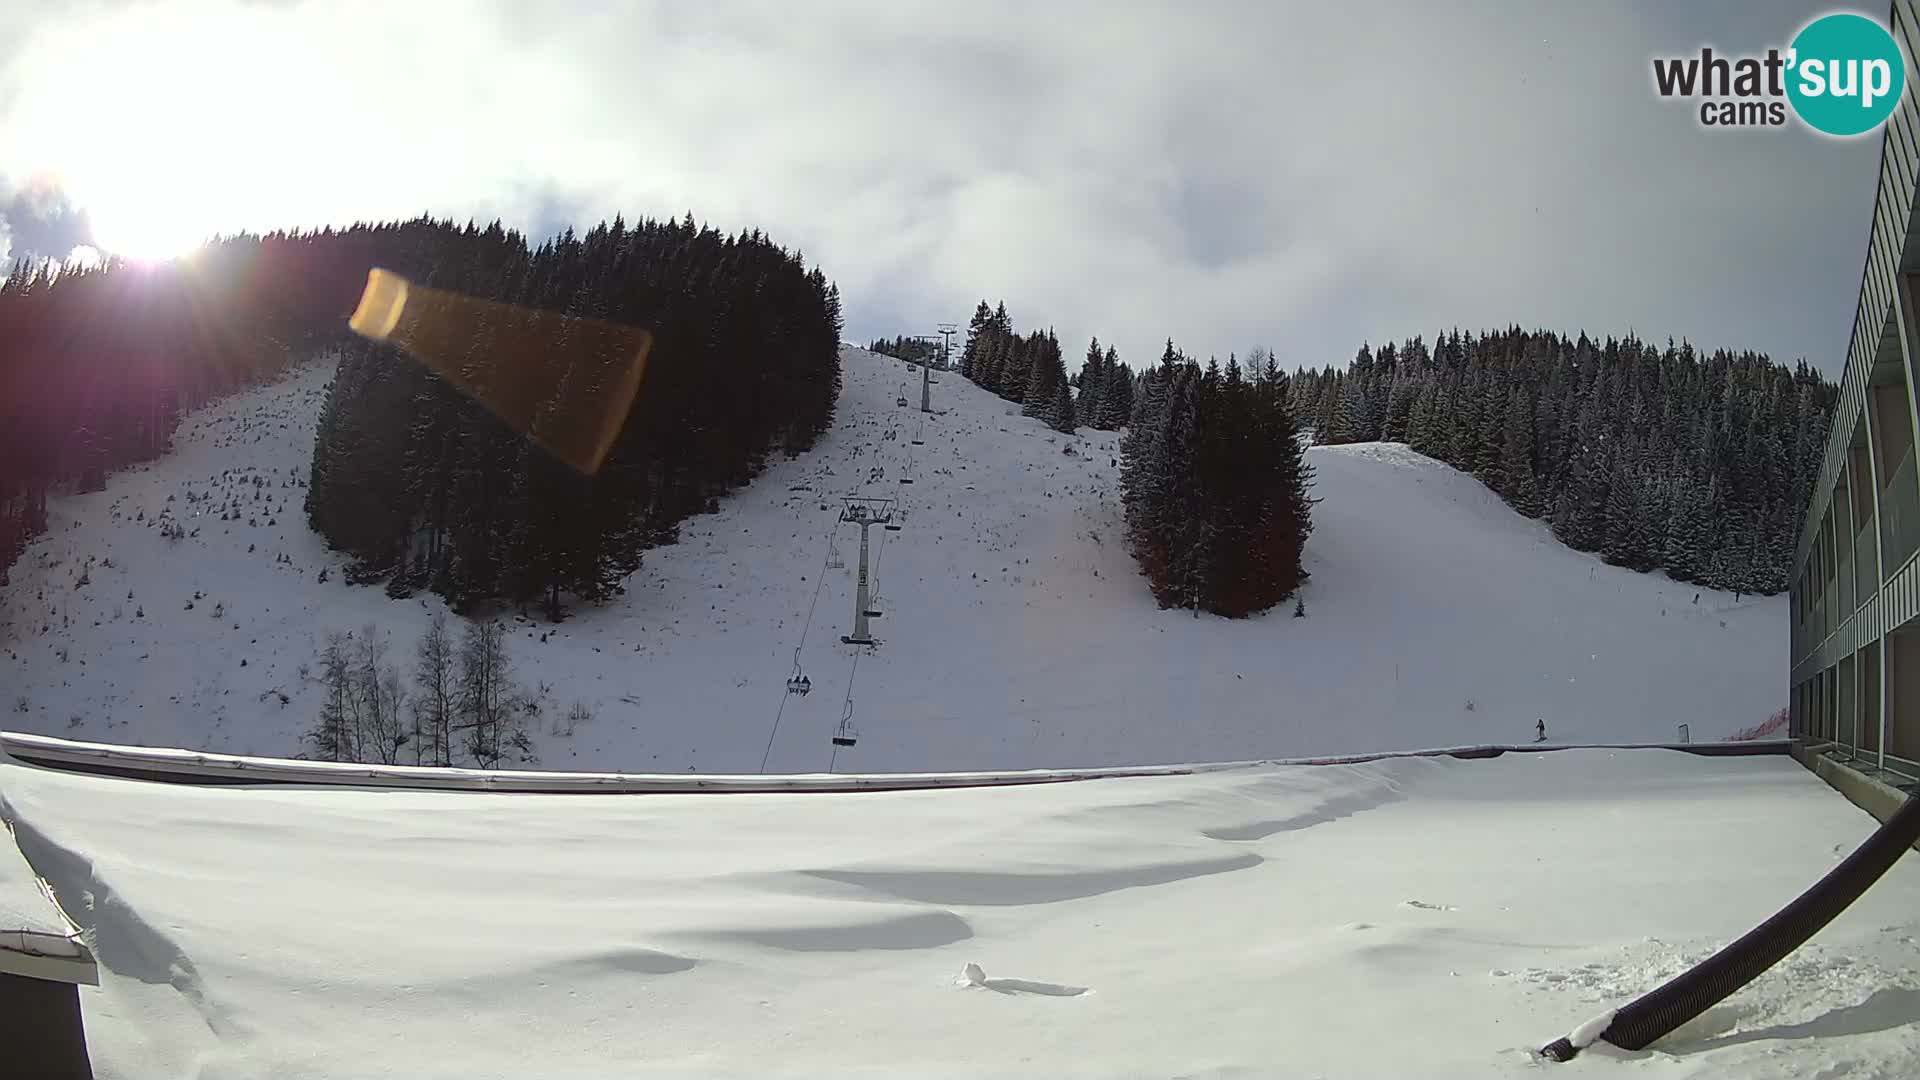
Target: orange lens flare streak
[{"x": 566, "y": 383}]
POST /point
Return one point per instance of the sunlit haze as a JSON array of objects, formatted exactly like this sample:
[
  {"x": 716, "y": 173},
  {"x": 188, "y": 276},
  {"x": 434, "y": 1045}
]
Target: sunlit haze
[{"x": 1137, "y": 171}]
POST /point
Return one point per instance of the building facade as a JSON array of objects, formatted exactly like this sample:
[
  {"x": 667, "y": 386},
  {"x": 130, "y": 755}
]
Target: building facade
[{"x": 1856, "y": 583}]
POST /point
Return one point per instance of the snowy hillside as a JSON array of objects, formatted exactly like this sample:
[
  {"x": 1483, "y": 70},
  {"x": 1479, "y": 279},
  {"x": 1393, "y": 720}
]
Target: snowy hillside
[
  {"x": 1016, "y": 631},
  {"x": 1408, "y": 918}
]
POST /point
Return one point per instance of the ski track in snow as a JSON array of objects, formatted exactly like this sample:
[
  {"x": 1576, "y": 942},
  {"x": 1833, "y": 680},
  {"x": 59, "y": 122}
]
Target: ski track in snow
[{"x": 1017, "y": 632}]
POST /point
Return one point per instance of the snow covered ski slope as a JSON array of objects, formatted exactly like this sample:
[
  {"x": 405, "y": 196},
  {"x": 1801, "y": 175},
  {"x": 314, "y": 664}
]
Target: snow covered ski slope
[
  {"x": 1412, "y": 917},
  {"x": 1016, "y": 632}
]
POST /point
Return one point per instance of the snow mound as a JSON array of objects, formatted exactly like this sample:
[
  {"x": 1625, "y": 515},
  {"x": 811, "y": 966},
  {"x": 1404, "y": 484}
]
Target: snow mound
[{"x": 1016, "y": 630}]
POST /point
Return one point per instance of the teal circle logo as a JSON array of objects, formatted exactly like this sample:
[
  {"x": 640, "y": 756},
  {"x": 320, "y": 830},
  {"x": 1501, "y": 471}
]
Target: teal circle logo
[{"x": 1845, "y": 74}]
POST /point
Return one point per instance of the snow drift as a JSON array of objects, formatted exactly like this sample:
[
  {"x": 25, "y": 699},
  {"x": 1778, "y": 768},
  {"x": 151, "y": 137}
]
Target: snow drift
[{"x": 1413, "y": 916}]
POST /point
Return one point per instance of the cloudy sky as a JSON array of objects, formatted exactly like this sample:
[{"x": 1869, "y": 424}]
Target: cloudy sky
[{"x": 1228, "y": 173}]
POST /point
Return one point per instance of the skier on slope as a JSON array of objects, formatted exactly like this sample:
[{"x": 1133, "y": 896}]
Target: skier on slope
[{"x": 1540, "y": 730}]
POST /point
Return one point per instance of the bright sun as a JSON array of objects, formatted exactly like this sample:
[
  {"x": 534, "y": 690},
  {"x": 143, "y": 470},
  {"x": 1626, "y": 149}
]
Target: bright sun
[
  {"x": 146, "y": 225},
  {"x": 162, "y": 146}
]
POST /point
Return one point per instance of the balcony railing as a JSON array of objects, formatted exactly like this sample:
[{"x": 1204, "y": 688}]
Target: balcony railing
[
  {"x": 1900, "y": 515},
  {"x": 1843, "y": 584},
  {"x": 1864, "y": 578}
]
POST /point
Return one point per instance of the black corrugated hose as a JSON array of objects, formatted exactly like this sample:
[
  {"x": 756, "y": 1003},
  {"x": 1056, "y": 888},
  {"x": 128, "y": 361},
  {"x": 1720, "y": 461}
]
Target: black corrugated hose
[{"x": 1694, "y": 991}]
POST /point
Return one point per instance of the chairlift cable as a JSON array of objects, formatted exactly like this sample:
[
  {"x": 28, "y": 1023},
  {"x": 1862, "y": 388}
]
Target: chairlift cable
[
  {"x": 852, "y": 672},
  {"x": 820, "y": 581},
  {"x": 846, "y": 710}
]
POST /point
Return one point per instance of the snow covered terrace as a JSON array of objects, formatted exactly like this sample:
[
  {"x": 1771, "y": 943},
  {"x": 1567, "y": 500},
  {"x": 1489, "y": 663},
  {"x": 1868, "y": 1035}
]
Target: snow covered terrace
[{"x": 1429, "y": 916}]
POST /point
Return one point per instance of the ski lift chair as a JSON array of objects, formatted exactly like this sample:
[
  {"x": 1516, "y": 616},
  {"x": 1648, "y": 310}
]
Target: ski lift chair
[
  {"x": 798, "y": 683},
  {"x": 845, "y": 735}
]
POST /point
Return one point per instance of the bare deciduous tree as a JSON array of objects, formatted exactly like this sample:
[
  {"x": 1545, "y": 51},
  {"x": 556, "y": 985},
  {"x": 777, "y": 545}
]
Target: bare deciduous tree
[
  {"x": 491, "y": 714},
  {"x": 332, "y": 737},
  {"x": 434, "y": 690},
  {"x": 378, "y": 698},
  {"x": 464, "y": 699}
]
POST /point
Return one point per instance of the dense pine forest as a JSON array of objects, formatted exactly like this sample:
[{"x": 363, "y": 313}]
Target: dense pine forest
[
  {"x": 1215, "y": 486},
  {"x": 1655, "y": 458},
  {"x": 1697, "y": 464},
  {"x": 1700, "y": 465},
  {"x": 902, "y": 347},
  {"x": 1212, "y": 477},
  {"x": 1026, "y": 369},
  {"x": 97, "y": 365},
  {"x": 1029, "y": 370},
  {"x": 429, "y": 491},
  {"x": 411, "y": 477}
]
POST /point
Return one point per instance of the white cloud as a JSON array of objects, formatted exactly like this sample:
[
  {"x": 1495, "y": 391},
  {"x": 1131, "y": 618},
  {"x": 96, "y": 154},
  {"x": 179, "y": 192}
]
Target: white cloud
[{"x": 1231, "y": 173}]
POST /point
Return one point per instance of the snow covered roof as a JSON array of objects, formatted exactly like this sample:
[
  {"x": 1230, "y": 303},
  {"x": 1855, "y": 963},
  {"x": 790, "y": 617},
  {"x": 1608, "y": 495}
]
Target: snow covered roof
[
  {"x": 35, "y": 937},
  {"x": 29, "y": 920},
  {"x": 1406, "y": 917}
]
